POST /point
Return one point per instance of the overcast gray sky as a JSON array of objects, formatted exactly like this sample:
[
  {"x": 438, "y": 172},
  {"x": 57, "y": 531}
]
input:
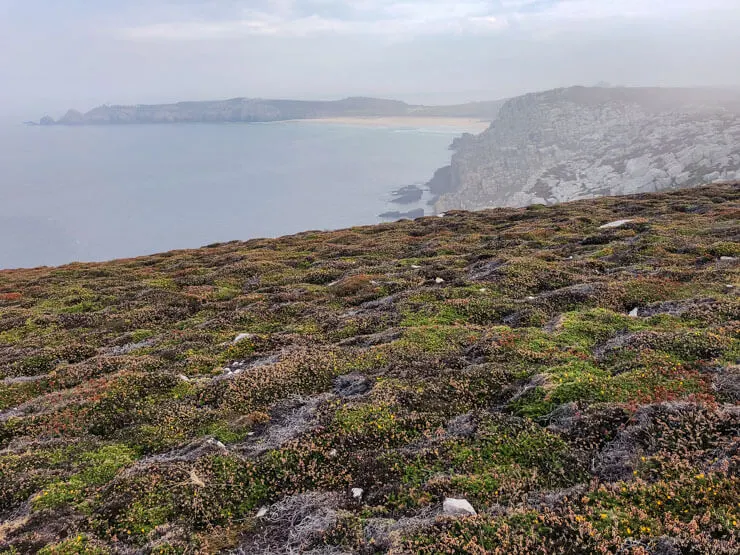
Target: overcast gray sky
[{"x": 80, "y": 53}]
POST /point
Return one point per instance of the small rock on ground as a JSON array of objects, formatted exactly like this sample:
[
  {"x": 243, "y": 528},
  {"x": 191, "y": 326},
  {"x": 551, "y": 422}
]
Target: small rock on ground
[
  {"x": 351, "y": 385},
  {"x": 241, "y": 337},
  {"x": 463, "y": 425},
  {"x": 615, "y": 224},
  {"x": 485, "y": 270},
  {"x": 457, "y": 507}
]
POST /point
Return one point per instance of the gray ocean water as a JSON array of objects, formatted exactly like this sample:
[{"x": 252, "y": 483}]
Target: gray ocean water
[{"x": 97, "y": 193}]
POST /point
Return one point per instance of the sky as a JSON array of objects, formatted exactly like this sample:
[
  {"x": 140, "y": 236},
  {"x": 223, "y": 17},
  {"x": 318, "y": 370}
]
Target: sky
[{"x": 56, "y": 55}]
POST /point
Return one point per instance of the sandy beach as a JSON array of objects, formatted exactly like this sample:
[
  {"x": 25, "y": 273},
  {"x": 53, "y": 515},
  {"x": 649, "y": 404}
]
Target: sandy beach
[{"x": 471, "y": 125}]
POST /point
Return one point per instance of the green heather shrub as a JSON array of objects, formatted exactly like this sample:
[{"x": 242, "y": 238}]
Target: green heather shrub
[
  {"x": 520, "y": 382},
  {"x": 587, "y": 328},
  {"x": 15, "y": 394},
  {"x": 78, "y": 545},
  {"x": 37, "y": 364},
  {"x": 98, "y": 468},
  {"x": 724, "y": 248}
]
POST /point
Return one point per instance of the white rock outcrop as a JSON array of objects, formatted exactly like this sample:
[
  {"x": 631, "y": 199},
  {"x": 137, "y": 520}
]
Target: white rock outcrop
[
  {"x": 615, "y": 224},
  {"x": 457, "y": 507}
]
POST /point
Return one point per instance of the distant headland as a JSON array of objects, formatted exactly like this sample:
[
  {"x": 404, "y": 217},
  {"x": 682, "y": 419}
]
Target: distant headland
[{"x": 265, "y": 110}]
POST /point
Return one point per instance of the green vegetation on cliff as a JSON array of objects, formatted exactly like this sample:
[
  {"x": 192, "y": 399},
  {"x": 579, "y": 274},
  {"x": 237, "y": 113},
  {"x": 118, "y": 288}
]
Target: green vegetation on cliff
[{"x": 326, "y": 392}]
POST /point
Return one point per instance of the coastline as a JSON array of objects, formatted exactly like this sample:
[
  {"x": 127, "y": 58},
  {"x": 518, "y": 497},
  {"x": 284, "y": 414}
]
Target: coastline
[{"x": 471, "y": 125}]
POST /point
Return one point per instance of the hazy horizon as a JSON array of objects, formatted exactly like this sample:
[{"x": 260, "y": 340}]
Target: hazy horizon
[
  {"x": 413, "y": 99},
  {"x": 79, "y": 55}
]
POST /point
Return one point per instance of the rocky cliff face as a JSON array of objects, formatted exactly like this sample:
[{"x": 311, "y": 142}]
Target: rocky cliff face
[{"x": 576, "y": 143}]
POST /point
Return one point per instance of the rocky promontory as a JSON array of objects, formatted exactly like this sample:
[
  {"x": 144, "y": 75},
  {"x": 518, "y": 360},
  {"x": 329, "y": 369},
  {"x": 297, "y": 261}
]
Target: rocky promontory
[
  {"x": 579, "y": 142},
  {"x": 265, "y": 110}
]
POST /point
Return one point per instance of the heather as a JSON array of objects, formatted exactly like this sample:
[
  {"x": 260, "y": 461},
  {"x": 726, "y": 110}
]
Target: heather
[{"x": 326, "y": 392}]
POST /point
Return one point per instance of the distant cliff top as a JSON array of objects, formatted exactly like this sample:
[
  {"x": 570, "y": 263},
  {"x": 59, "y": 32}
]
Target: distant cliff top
[
  {"x": 262, "y": 110},
  {"x": 658, "y": 99}
]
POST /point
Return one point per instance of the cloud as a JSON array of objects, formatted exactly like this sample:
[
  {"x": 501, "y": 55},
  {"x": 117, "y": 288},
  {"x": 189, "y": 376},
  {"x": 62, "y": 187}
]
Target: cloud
[
  {"x": 403, "y": 18},
  {"x": 603, "y": 10},
  {"x": 82, "y": 53},
  {"x": 291, "y": 18}
]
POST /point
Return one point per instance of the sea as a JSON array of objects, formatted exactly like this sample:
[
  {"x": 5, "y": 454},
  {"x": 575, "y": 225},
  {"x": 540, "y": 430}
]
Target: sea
[{"x": 102, "y": 192}]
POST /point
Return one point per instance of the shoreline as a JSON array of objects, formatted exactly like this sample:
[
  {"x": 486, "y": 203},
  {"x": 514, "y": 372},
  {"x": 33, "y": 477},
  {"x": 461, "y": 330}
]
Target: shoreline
[
  {"x": 457, "y": 124},
  {"x": 472, "y": 125}
]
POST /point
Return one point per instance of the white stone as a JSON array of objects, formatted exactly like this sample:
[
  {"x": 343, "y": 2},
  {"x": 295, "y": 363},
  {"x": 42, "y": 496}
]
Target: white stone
[
  {"x": 531, "y": 298},
  {"x": 439, "y": 280},
  {"x": 634, "y": 312},
  {"x": 457, "y": 507},
  {"x": 195, "y": 479},
  {"x": 728, "y": 258},
  {"x": 482, "y": 289},
  {"x": 262, "y": 512},
  {"x": 333, "y": 453},
  {"x": 415, "y": 267},
  {"x": 242, "y": 337},
  {"x": 442, "y": 215},
  {"x": 217, "y": 443},
  {"x": 357, "y": 493},
  {"x": 183, "y": 378},
  {"x": 617, "y": 223}
]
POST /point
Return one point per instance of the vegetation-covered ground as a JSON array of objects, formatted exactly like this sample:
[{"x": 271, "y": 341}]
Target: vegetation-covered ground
[{"x": 578, "y": 386}]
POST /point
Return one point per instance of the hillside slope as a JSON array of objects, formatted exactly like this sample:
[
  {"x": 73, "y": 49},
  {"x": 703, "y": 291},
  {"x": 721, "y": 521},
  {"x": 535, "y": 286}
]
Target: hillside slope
[
  {"x": 574, "y": 379},
  {"x": 581, "y": 142}
]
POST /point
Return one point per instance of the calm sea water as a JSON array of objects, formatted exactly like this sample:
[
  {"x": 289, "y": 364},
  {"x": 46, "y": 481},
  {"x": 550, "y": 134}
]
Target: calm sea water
[{"x": 96, "y": 193}]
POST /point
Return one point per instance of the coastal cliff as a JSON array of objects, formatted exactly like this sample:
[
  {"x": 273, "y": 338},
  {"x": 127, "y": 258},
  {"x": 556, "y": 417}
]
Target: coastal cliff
[{"x": 575, "y": 143}]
